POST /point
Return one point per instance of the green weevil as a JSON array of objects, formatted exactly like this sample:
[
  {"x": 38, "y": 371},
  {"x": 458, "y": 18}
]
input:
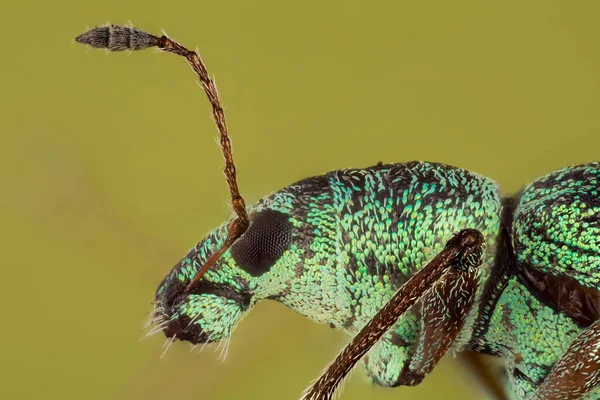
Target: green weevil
[{"x": 412, "y": 259}]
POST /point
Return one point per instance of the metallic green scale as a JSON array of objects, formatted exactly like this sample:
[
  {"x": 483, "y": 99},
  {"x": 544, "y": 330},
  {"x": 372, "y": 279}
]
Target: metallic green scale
[
  {"x": 522, "y": 325},
  {"x": 336, "y": 247},
  {"x": 358, "y": 235},
  {"x": 555, "y": 229}
]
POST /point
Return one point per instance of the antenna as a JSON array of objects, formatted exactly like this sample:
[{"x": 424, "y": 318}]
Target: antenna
[{"x": 120, "y": 38}]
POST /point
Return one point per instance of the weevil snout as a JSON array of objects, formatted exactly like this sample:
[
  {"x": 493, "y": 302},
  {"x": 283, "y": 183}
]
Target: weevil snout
[
  {"x": 182, "y": 329},
  {"x": 208, "y": 315},
  {"x": 207, "y": 309},
  {"x": 205, "y": 314}
]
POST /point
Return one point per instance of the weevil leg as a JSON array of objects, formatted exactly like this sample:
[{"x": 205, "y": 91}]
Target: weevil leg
[
  {"x": 445, "y": 310},
  {"x": 462, "y": 254},
  {"x": 577, "y": 371},
  {"x": 387, "y": 359}
]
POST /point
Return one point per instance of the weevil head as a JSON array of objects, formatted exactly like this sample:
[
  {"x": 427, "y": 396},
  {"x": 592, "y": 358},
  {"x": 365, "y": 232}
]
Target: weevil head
[
  {"x": 258, "y": 265},
  {"x": 291, "y": 253}
]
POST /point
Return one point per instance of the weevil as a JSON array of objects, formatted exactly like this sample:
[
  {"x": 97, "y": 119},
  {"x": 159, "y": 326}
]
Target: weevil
[{"x": 412, "y": 259}]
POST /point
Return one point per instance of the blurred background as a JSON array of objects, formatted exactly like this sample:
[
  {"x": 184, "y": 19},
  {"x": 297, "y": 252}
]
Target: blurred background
[{"x": 110, "y": 171}]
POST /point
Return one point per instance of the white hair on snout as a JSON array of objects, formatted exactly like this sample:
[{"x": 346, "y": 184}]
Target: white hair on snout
[{"x": 158, "y": 321}]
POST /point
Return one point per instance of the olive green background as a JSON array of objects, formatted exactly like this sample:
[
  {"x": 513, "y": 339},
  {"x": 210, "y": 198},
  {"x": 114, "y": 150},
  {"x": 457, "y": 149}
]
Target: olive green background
[{"x": 110, "y": 172}]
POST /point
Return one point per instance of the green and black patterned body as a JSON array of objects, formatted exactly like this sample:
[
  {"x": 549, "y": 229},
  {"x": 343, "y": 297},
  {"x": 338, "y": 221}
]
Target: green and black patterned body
[
  {"x": 401, "y": 246},
  {"x": 336, "y": 247},
  {"x": 544, "y": 290}
]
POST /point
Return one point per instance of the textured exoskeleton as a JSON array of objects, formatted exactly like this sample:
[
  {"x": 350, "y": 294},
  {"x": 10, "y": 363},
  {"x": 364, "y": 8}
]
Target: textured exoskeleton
[
  {"x": 394, "y": 255},
  {"x": 541, "y": 309},
  {"x": 336, "y": 247}
]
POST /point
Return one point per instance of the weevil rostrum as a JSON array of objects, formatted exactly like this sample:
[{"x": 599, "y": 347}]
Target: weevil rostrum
[{"x": 412, "y": 259}]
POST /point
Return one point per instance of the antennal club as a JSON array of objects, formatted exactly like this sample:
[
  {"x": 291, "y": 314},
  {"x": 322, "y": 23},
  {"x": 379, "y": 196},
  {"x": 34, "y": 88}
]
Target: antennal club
[{"x": 120, "y": 38}]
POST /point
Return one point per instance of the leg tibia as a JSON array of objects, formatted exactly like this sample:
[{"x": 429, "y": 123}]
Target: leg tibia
[
  {"x": 445, "y": 309},
  {"x": 403, "y": 359},
  {"x": 578, "y": 370},
  {"x": 387, "y": 359}
]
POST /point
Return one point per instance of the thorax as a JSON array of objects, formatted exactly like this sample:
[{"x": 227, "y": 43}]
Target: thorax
[{"x": 376, "y": 227}]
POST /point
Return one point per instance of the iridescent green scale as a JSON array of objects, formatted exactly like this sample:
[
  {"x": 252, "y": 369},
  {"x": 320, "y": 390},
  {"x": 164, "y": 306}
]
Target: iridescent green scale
[
  {"x": 556, "y": 224},
  {"x": 394, "y": 255},
  {"x": 357, "y": 235},
  {"x": 556, "y": 229},
  {"x": 521, "y": 325}
]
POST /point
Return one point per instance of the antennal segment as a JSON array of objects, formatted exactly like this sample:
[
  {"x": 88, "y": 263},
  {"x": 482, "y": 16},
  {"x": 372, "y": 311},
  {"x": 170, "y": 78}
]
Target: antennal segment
[{"x": 120, "y": 38}]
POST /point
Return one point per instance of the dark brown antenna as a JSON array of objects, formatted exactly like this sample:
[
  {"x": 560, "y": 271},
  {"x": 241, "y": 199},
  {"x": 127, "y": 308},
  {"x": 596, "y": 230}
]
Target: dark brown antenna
[{"x": 120, "y": 38}]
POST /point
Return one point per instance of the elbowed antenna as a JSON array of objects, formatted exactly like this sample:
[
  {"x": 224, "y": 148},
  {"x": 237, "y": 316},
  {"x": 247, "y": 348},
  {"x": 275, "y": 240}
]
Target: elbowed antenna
[{"x": 120, "y": 38}]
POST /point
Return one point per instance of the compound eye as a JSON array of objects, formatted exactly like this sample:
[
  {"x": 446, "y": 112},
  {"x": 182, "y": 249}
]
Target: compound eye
[{"x": 267, "y": 238}]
